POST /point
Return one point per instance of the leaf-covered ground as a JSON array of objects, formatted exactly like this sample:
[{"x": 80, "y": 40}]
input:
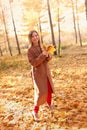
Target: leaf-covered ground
[{"x": 69, "y": 75}]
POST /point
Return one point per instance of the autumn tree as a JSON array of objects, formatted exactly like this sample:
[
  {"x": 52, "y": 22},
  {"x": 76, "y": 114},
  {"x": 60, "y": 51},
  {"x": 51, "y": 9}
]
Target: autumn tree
[
  {"x": 40, "y": 30},
  {"x": 59, "y": 30},
  {"x": 1, "y": 51},
  {"x": 35, "y": 20},
  {"x": 31, "y": 14},
  {"x": 7, "y": 13},
  {"x": 5, "y": 27},
  {"x": 74, "y": 20},
  {"x": 51, "y": 26},
  {"x": 18, "y": 47},
  {"x": 6, "y": 33},
  {"x": 78, "y": 26},
  {"x": 86, "y": 8}
]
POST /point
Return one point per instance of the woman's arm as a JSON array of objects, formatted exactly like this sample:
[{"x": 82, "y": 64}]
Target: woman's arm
[
  {"x": 36, "y": 61},
  {"x": 49, "y": 57}
]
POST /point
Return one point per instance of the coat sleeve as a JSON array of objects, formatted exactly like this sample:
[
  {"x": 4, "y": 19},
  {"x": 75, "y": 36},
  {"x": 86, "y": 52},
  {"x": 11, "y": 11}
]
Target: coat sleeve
[
  {"x": 49, "y": 57},
  {"x": 36, "y": 61}
]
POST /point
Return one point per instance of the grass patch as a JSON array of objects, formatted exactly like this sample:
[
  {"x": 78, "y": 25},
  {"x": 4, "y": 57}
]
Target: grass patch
[
  {"x": 27, "y": 67},
  {"x": 63, "y": 47},
  {"x": 4, "y": 65},
  {"x": 14, "y": 64}
]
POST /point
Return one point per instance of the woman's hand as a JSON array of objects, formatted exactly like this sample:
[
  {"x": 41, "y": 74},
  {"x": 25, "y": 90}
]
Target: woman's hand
[
  {"x": 50, "y": 56},
  {"x": 45, "y": 53}
]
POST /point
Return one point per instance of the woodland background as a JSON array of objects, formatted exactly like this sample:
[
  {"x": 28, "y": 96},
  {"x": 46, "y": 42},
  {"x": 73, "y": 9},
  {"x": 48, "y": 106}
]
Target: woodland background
[
  {"x": 62, "y": 23},
  {"x": 55, "y": 20}
]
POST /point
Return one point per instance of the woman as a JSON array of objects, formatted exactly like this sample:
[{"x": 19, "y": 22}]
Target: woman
[{"x": 43, "y": 86}]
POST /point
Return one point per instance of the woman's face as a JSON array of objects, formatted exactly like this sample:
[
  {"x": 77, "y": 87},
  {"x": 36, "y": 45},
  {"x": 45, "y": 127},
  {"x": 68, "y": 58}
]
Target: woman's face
[{"x": 35, "y": 38}]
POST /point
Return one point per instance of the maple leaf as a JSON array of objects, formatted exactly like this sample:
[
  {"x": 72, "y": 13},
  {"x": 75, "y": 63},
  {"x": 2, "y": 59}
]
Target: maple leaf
[{"x": 49, "y": 48}]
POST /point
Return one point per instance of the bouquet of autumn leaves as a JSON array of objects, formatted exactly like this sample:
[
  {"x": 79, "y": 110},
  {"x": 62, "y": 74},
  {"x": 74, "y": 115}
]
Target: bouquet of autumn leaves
[{"x": 49, "y": 48}]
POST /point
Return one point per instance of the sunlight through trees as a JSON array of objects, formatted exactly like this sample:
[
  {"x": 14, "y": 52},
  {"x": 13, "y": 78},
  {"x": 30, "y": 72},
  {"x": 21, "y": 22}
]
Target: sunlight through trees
[{"x": 53, "y": 20}]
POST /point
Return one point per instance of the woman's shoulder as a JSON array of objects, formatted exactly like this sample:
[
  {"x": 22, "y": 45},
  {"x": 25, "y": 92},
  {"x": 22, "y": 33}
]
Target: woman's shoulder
[
  {"x": 30, "y": 48},
  {"x": 34, "y": 50}
]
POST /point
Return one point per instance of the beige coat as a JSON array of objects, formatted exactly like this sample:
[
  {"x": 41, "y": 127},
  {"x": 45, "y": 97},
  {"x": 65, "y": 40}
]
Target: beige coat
[{"x": 40, "y": 72}]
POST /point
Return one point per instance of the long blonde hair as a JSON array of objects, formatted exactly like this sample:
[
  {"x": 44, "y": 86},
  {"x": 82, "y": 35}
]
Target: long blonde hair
[{"x": 30, "y": 36}]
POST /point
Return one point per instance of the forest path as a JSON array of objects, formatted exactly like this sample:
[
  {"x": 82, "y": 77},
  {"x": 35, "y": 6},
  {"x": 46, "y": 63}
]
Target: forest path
[{"x": 75, "y": 49}]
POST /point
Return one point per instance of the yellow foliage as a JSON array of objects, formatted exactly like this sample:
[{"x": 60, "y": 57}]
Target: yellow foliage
[
  {"x": 37, "y": 128},
  {"x": 69, "y": 74},
  {"x": 1, "y": 108},
  {"x": 50, "y": 48}
]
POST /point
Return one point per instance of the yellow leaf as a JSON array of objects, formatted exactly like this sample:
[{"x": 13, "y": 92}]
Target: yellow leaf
[
  {"x": 37, "y": 128},
  {"x": 44, "y": 46},
  {"x": 49, "y": 48}
]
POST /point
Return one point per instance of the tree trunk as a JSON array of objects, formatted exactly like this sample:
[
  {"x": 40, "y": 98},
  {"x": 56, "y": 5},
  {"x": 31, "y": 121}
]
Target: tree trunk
[
  {"x": 74, "y": 21},
  {"x": 86, "y": 8},
  {"x": 40, "y": 31},
  {"x": 59, "y": 31},
  {"x": 52, "y": 33},
  {"x": 1, "y": 51},
  {"x": 80, "y": 39},
  {"x": 19, "y": 51},
  {"x": 6, "y": 33}
]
